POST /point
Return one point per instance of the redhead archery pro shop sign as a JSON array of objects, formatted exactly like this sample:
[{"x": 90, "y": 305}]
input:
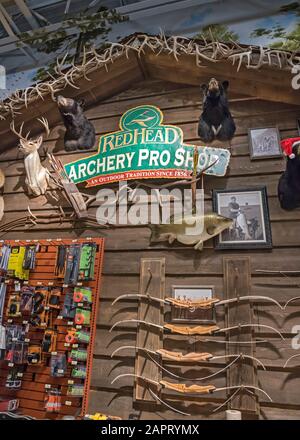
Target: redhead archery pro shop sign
[{"x": 145, "y": 148}]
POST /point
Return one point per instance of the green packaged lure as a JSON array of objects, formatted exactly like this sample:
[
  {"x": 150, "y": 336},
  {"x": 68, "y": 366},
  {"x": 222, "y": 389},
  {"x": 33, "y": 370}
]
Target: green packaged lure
[
  {"x": 87, "y": 261},
  {"x": 82, "y": 316},
  {"x": 82, "y": 295},
  {"x": 83, "y": 336},
  {"x": 75, "y": 390},
  {"x": 79, "y": 372},
  {"x": 78, "y": 355}
]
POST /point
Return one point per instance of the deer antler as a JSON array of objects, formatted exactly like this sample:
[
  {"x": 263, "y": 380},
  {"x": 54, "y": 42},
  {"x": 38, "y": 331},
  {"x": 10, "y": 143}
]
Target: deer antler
[
  {"x": 19, "y": 133},
  {"x": 45, "y": 124}
]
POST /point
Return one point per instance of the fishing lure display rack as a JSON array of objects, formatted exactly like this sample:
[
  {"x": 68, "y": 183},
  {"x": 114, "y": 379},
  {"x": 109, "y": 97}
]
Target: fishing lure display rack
[{"x": 36, "y": 379}]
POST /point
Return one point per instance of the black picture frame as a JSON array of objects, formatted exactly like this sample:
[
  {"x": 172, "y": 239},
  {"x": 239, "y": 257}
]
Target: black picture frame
[
  {"x": 198, "y": 316},
  {"x": 253, "y": 155},
  {"x": 258, "y": 228},
  {"x": 298, "y": 126}
]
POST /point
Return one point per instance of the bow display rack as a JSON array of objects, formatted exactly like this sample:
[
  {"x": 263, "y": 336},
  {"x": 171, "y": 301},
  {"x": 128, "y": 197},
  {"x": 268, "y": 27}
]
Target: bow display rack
[
  {"x": 160, "y": 368},
  {"x": 49, "y": 296}
]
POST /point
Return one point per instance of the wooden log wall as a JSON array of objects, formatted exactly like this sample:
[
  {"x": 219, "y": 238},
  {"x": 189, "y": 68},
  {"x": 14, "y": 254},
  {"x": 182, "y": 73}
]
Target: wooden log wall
[{"x": 125, "y": 247}]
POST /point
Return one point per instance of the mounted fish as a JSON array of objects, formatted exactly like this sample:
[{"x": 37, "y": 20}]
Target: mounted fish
[
  {"x": 37, "y": 176},
  {"x": 2, "y": 181},
  {"x": 80, "y": 132},
  {"x": 206, "y": 227}
]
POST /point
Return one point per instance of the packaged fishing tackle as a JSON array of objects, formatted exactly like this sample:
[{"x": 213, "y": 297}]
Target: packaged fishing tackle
[
  {"x": 75, "y": 390},
  {"x": 58, "y": 365},
  {"x": 53, "y": 400},
  {"x": 2, "y": 300},
  {"x": 79, "y": 372},
  {"x": 87, "y": 261},
  {"x": 79, "y": 354},
  {"x": 82, "y": 317},
  {"x": 54, "y": 298},
  {"x": 70, "y": 337},
  {"x": 30, "y": 256},
  {"x": 39, "y": 315},
  {"x": 34, "y": 354},
  {"x": 49, "y": 341},
  {"x": 5, "y": 251},
  {"x": 69, "y": 308},
  {"x": 15, "y": 333},
  {"x": 13, "y": 379},
  {"x": 82, "y": 295},
  {"x": 26, "y": 304},
  {"x": 72, "y": 265},
  {"x": 17, "y": 353},
  {"x": 83, "y": 336},
  {"x": 2, "y": 341},
  {"x": 61, "y": 261},
  {"x": 14, "y": 306},
  {"x": 15, "y": 263}
]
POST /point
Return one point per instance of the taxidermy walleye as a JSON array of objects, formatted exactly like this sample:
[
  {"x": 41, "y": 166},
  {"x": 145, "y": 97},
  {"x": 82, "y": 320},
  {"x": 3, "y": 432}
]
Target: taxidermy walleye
[{"x": 211, "y": 225}]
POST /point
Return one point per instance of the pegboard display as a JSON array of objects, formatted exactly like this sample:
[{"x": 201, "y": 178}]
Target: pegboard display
[{"x": 49, "y": 315}]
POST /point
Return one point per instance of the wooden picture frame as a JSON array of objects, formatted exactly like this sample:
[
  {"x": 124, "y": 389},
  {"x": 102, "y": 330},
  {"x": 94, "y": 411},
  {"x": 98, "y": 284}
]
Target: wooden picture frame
[
  {"x": 250, "y": 212},
  {"x": 198, "y": 316},
  {"x": 266, "y": 144}
]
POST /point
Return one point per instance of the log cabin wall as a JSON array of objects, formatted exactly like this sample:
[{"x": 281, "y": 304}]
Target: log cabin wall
[{"x": 125, "y": 247}]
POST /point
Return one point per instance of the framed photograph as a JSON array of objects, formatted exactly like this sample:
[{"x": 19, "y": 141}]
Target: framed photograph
[
  {"x": 248, "y": 208},
  {"x": 193, "y": 293},
  {"x": 264, "y": 143}
]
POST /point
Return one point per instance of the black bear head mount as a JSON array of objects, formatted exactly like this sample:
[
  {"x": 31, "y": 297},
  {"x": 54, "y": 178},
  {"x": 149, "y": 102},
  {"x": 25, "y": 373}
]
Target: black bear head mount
[
  {"x": 69, "y": 105},
  {"x": 214, "y": 89},
  {"x": 80, "y": 132},
  {"x": 216, "y": 121},
  {"x": 296, "y": 161}
]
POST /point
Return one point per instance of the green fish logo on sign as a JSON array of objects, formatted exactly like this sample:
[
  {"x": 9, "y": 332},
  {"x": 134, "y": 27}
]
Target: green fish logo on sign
[{"x": 145, "y": 148}]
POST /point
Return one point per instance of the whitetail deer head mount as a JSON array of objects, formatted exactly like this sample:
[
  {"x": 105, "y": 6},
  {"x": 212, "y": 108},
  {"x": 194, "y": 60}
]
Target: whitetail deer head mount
[{"x": 37, "y": 176}]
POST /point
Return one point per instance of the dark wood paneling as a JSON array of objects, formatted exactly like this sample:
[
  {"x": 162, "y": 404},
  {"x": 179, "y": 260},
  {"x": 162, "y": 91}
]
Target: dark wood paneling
[
  {"x": 207, "y": 262},
  {"x": 181, "y": 104},
  {"x": 237, "y": 283}
]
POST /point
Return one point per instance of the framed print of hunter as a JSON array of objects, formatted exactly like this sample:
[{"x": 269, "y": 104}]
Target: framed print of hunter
[
  {"x": 248, "y": 208},
  {"x": 193, "y": 315}
]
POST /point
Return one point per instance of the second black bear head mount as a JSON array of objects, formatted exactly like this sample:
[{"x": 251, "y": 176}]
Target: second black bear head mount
[
  {"x": 289, "y": 182},
  {"x": 80, "y": 132},
  {"x": 215, "y": 121}
]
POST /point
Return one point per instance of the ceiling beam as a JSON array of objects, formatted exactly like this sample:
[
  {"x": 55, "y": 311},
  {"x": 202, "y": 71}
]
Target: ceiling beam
[
  {"x": 102, "y": 85},
  {"x": 267, "y": 83},
  {"x": 12, "y": 30},
  {"x": 67, "y": 7},
  {"x": 27, "y": 14},
  {"x": 5, "y": 22}
]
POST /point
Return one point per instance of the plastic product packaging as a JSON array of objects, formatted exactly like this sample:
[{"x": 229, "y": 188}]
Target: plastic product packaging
[
  {"x": 82, "y": 317},
  {"x": 58, "y": 365},
  {"x": 79, "y": 372}
]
